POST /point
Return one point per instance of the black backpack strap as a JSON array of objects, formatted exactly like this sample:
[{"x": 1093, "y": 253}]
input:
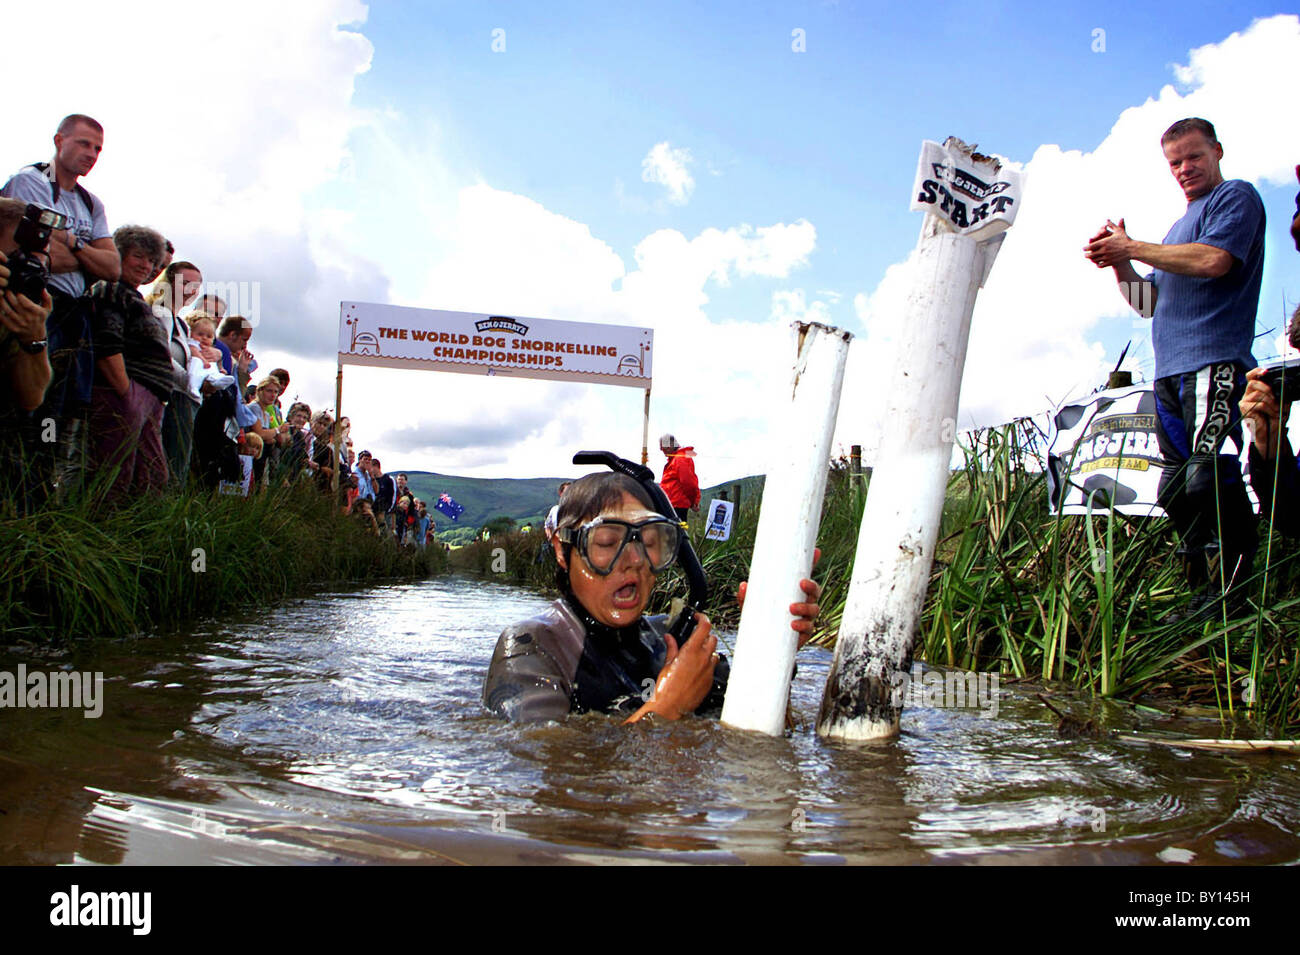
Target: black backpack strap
[
  {"x": 82, "y": 191},
  {"x": 85, "y": 197}
]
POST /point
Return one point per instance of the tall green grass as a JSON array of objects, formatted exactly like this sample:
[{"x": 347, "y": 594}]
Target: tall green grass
[{"x": 85, "y": 569}]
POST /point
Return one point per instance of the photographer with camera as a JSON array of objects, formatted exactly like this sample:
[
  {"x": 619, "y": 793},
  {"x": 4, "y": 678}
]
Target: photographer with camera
[
  {"x": 80, "y": 252},
  {"x": 24, "y": 306},
  {"x": 1266, "y": 406}
]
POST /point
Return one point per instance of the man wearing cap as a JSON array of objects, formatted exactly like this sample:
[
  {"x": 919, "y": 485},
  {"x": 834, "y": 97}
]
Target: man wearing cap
[{"x": 679, "y": 481}]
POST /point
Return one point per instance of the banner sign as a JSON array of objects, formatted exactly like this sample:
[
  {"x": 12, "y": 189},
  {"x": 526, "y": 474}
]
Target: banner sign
[
  {"x": 1104, "y": 448},
  {"x": 971, "y": 194},
  {"x": 390, "y": 336},
  {"x": 719, "y": 516}
]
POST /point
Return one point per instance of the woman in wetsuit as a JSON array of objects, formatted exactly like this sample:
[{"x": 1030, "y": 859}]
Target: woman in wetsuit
[{"x": 593, "y": 648}]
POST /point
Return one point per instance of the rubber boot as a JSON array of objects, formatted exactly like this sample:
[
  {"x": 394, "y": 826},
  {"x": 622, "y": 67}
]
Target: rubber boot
[{"x": 1203, "y": 595}]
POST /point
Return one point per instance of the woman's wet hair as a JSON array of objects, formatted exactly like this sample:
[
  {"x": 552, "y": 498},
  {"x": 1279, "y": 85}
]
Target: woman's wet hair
[{"x": 586, "y": 499}]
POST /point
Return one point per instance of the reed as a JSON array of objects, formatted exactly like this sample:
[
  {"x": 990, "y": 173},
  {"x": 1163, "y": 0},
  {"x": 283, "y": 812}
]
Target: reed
[
  {"x": 84, "y": 569},
  {"x": 513, "y": 556}
]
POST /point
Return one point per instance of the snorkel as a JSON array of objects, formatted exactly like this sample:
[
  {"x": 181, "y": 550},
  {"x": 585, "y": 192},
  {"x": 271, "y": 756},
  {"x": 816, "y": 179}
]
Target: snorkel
[{"x": 682, "y": 619}]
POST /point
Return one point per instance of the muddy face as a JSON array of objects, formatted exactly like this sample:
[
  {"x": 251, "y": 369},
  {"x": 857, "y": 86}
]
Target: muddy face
[{"x": 620, "y": 597}]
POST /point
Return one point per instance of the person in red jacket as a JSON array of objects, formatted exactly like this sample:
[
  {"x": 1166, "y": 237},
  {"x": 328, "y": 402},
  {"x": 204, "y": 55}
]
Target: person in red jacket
[{"x": 679, "y": 481}]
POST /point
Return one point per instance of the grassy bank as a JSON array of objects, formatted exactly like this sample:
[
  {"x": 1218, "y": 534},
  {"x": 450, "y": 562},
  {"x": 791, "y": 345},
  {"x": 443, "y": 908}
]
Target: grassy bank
[
  {"x": 83, "y": 570},
  {"x": 1019, "y": 589}
]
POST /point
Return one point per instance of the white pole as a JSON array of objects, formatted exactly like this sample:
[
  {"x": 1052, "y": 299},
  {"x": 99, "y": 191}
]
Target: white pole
[
  {"x": 788, "y": 520},
  {"x": 336, "y": 431},
  {"x": 645, "y": 430},
  {"x": 900, "y": 524}
]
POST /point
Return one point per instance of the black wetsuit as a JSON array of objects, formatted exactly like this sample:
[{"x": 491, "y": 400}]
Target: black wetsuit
[{"x": 565, "y": 661}]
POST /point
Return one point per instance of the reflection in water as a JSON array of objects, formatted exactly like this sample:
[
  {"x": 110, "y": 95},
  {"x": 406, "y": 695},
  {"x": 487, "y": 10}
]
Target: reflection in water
[{"x": 348, "y": 727}]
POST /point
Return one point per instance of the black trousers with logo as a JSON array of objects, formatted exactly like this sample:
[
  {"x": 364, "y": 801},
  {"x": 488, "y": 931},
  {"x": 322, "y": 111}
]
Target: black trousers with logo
[{"x": 1198, "y": 426}]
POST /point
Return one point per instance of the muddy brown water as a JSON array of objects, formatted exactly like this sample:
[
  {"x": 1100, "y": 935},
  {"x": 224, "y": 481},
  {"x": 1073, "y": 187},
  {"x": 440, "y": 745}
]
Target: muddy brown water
[{"x": 347, "y": 727}]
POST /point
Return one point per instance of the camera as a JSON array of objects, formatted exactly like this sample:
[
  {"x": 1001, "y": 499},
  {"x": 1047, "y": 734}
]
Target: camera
[
  {"x": 1283, "y": 381},
  {"x": 28, "y": 271}
]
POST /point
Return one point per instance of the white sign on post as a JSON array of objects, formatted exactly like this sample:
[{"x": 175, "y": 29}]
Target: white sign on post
[
  {"x": 241, "y": 487},
  {"x": 719, "y": 528},
  {"x": 390, "y": 336},
  {"x": 978, "y": 206}
]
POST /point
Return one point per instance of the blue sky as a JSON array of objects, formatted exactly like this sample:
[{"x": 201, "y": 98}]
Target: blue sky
[
  {"x": 387, "y": 152},
  {"x": 831, "y": 135}
]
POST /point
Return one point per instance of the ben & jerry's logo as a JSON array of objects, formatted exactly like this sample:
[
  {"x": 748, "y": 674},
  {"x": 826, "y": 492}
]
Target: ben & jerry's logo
[
  {"x": 501, "y": 323},
  {"x": 963, "y": 181}
]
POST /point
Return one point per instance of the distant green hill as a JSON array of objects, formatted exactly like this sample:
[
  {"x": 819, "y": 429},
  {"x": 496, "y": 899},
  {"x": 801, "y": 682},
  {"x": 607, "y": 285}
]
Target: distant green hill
[
  {"x": 751, "y": 491},
  {"x": 525, "y": 500}
]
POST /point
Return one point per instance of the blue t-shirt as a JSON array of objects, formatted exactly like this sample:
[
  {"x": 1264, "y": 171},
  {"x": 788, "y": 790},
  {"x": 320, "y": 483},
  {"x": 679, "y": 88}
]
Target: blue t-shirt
[
  {"x": 29, "y": 184},
  {"x": 365, "y": 488},
  {"x": 227, "y": 359},
  {"x": 1200, "y": 321}
]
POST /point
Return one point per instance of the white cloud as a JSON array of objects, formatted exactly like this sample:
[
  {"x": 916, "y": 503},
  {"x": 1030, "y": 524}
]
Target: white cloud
[
  {"x": 712, "y": 379},
  {"x": 1033, "y": 334},
  {"x": 667, "y": 166},
  {"x": 792, "y": 306},
  {"x": 219, "y": 125}
]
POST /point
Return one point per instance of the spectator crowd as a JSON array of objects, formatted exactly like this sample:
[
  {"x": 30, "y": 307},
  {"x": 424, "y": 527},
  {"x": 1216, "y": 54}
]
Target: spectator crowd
[{"x": 123, "y": 376}]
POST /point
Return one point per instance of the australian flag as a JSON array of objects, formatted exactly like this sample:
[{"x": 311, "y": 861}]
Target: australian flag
[{"x": 447, "y": 504}]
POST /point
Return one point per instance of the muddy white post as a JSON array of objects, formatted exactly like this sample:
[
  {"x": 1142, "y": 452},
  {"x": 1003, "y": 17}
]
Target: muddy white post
[
  {"x": 969, "y": 201},
  {"x": 787, "y": 530}
]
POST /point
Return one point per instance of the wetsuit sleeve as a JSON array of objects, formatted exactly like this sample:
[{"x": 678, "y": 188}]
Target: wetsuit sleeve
[
  {"x": 1285, "y": 507},
  {"x": 524, "y": 682}
]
